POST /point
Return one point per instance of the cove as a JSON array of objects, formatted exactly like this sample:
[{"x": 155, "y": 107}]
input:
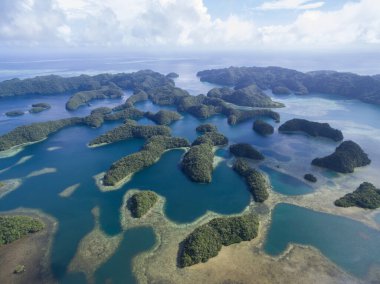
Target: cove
[{"x": 350, "y": 244}]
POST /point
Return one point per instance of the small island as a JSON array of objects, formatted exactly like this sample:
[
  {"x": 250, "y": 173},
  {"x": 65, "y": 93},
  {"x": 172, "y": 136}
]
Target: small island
[
  {"x": 39, "y": 107},
  {"x": 172, "y": 75},
  {"x": 256, "y": 181},
  {"x": 310, "y": 177},
  {"x": 207, "y": 127},
  {"x": 262, "y": 127},
  {"x": 197, "y": 164},
  {"x": 345, "y": 159},
  {"x": 140, "y": 203},
  {"x": 312, "y": 128},
  {"x": 281, "y": 90},
  {"x": 213, "y": 138},
  {"x": 246, "y": 150},
  {"x": 163, "y": 117},
  {"x": 366, "y": 196},
  {"x": 13, "y": 228},
  {"x": 207, "y": 240},
  {"x": 14, "y": 113}
]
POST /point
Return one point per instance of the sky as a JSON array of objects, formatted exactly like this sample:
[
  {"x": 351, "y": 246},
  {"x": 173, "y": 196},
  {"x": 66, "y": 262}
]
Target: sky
[{"x": 296, "y": 25}]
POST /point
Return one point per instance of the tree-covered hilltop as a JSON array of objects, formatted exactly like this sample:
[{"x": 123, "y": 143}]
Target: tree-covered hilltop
[
  {"x": 250, "y": 96},
  {"x": 262, "y": 127},
  {"x": 14, "y": 113},
  {"x": 52, "y": 84},
  {"x": 147, "y": 156},
  {"x": 128, "y": 113},
  {"x": 236, "y": 116},
  {"x": 315, "y": 129},
  {"x": 166, "y": 95},
  {"x": 256, "y": 181},
  {"x": 197, "y": 164},
  {"x": 349, "y": 85},
  {"x": 138, "y": 96},
  {"x": 13, "y": 228},
  {"x": 207, "y": 240},
  {"x": 129, "y": 131},
  {"x": 164, "y": 117},
  {"x": 365, "y": 196},
  {"x": 140, "y": 203},
  {"x": 207, "y": 127},
  {"x": 83, "y": 98},
  {"x": 345, "y": 159},
  {"x": 213, "y": 138},
  {"x": 246, "y": 150}
]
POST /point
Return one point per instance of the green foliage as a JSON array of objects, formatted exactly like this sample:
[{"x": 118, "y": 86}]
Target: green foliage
[
  {"x": 310, "y": 177},
  {"x": 314, "y": 129},
  {"x": 236, "y": 116},
  {"x": 207, "y": 127},
  {"x": 262, "y": 127},
  {"x": 281, "y": 90},
  {"x": 345, "y": 159},
  {"x": 39, "y": 107},
  {"x": 206, "y": 241},
  {"x": 212, "y": 138},
  {"x": 147, "y": 156},
  {"x": 365, "y": 196},
  {"x": 140, "y": 203},
  {"x": 256, "y": 181},
  {"x": 164, "y": 117},
  {"x": 138, "y": 96},
  {"x": 19, "y": 269},
  {"x": 128, "y": 113},
  {"x": 13, "y": 113},
  {"x": 197, "y": 163},
  {"x": 246, "y": 151},
  {"x": 13, "y": 228},
  {"x": 166, "y": 95}
]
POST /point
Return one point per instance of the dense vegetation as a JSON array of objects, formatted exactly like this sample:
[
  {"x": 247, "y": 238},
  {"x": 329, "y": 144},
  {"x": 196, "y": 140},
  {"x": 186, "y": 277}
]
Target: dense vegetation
[
  {"x": 140, "y": 203},
  {"x": 206, "y": 241},
  {"x": 256, "y": 181},
  {"x": 212, "y": 138},
  {"x": 13, "y": 228},
  {"x": 138, "y": 96},
  {"x": 314, "y": 129},
  {"x": 128, "y": 113},
  {"x": 147, "y": 156},
  {"x": 262, "y": 127},
  {"x": 164, "y": 117},
  {"x": 349, "y": 85},
  {"x": 280, "y": 90},
  {"x": 166, "y": 95},
  {"x": 13, "y": 113},
  {"x": 310, "y": 177},
  {"x": 345, "y": 159},
  {"x": 207, "y": 127},
  {"x": 39, "y": 107},
  {"x": 365, "y": 196},
  {"x": 236, "y": 116},
  {"x": 197, "y": 163},
  {"x": 82, "y": 98},
  {"x": 250, "y": 96},
  {"x": 246, "y": 151}
]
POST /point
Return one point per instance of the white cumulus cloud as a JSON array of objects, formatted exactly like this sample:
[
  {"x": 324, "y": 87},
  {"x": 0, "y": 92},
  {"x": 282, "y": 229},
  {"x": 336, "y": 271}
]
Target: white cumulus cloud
[{"x": 290, "y": 5}]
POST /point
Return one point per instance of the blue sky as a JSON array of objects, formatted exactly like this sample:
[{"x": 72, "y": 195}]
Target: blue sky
[{"x": 307, "y": 25}]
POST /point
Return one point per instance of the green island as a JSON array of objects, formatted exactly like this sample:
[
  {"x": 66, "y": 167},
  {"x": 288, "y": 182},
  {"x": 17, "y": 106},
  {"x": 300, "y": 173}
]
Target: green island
[
  {"x": 13, "y": 228},
  {"x": 163, "y": 117},
  {"x": 246, "y": 150},
  {"x": 82, "y": 98},
  {"x": 172, "y": 75},
  {"x": 314, "y": 129},
  {"x": 213, "y": 138},
  {"x": 281, "y": 90},
  {"x": 250, "y": 96},
  {"x": 39, "y": 107},
  {"x": 207, "y": 240},
  {"x": 140, "y": 203},
  {"x": 262, "y": 127},
  {"x": 310, "y": 177},
  {"x": 138, "y": 96},
  {"x": 207, "y": 127},
  {"x": 256, "y": 181},
  {"x": 345, "y": 159},
  {"x": 348, "y": 85},
  {"x": 147, "y": 156},
  {"x": 365, "y": 196},
  {"x": 130, "y": 130},
  {"x": 14, "y": 113}
]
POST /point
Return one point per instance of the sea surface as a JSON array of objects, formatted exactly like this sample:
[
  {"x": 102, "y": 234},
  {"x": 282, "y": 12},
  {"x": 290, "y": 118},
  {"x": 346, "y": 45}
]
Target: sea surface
[{"x": 63, "y": 160}]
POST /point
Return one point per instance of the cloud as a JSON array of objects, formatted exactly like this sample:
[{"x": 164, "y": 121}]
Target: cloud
[{"x": 290, "y": 5}]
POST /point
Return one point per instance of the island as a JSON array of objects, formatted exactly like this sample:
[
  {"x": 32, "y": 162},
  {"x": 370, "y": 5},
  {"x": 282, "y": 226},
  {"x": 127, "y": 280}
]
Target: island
[
  {"x": 14, "y": 113},
  {"x": 314, "y": 129},
  {"x": 13, "y": 228},
  {"x": 345, "y": 159},
  {"x": 207, "y": 127},
  {"x": 213, "y": 138},
  {"x": 147, "y": 156},
  {"x": 281, "y": 90},
  {"x": 256, "y": 181},
  {"x": 347, "y": 85},
  {"x": 246, "y": 150},
  {"x": 262, "y": 127},
  {"x": 163, "y": 117},
  {"x": 197, "y": 164},
  {"x": 39, "y": 107},
  {"x": 172, "y": 75},
  {"x": 366, "y": 196},
  {"x": 140, "y": 203},
  {"x": 207, "y": 240},
  {"x": 310, "y": 177}
]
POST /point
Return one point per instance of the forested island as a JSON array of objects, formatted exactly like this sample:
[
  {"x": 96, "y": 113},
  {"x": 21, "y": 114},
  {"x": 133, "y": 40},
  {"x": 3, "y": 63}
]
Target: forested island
[
  {"x": 39, "y": 107},
  {"x": 140, "y": 203},
  {"x": 206, "y": 241},
  {"x": 14, "y": 113},
  {"x": 164, "y": 117},
  {"x": 245, "y": 150},
  {"x": 365, "y": 196},
  {"x": 207, "y": 127},
  {"x": 310, "y": 177},
  {"x": 285, "y": 81},
  {"x": 13, "y": 228},
  {"x": 312, "y": 128},
  {"x": 262, "y": 127},
  {"x": 345, "y": 159}
]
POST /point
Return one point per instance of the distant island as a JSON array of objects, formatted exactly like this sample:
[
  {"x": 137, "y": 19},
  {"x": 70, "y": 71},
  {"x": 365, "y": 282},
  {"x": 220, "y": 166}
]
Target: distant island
[{"x": 262, "y": 127}]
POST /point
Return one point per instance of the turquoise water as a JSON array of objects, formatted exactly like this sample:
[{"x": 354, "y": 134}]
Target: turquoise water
[
  {"x": 286, "y": 184},
  {"x": 350, "y": 244}
]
